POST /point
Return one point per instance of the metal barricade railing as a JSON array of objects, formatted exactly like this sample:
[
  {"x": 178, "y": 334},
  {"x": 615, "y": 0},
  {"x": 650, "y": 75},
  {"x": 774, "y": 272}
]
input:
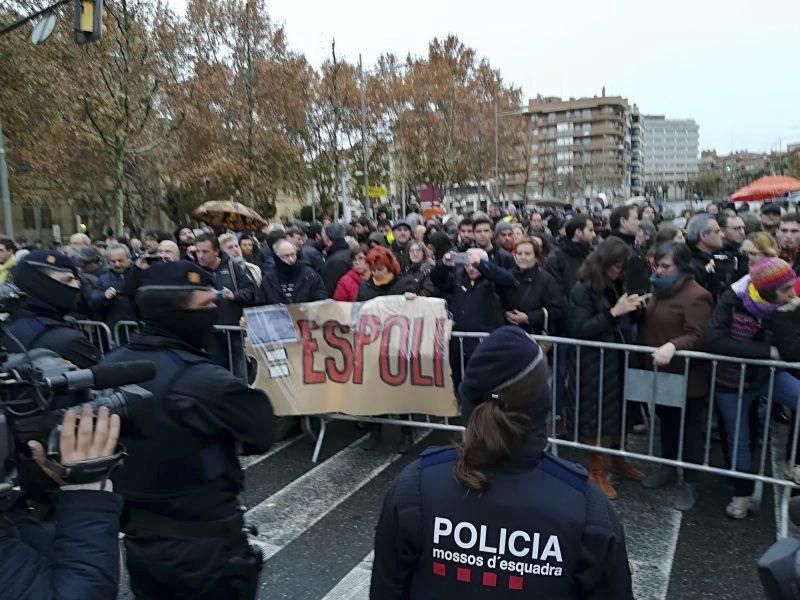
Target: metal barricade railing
[
  {"x": 99, "y": 335},
  {"x": 123, "y": 331},
  {"x": 756, "y": 380},
  {"x": 233, "y": 352},
  {"x": 651, "y": 387},
  {"x": 229, "y": 350}
]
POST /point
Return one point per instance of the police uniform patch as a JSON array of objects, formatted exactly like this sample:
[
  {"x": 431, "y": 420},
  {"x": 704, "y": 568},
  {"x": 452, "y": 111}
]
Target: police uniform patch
[
  {"x": 51, "y": 259},
  {"x": 194, "y": 278}
]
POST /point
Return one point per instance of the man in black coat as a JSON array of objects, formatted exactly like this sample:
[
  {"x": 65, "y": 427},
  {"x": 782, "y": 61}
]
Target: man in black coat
[
  {"x": 51, "y": 282},
  {"x": 236, "y": 291},
  {"x": 483, "y": 232},
  {"x": 107, "y": 301},
  {"x": 183, "y": 520},
  {"x": 402, "y": 235},
  {"x": 476, "y": 305},
  {"x": 314, "y": 246},
  {"x": 564, "y": 263},
  {"x": 704, "y": 238},
  {"x": 291, "y": 281},
  {"x": 624, "y": 221},
  {"x": 736, "y": 264},
  {"x": 338, "y": 261}
]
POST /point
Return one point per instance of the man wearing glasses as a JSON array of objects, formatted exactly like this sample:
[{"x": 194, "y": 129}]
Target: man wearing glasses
[{"x": 733, "y": 234}]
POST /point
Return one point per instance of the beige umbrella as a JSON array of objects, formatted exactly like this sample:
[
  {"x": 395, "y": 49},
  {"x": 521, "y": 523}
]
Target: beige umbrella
[{"x": 229, "y": 214}]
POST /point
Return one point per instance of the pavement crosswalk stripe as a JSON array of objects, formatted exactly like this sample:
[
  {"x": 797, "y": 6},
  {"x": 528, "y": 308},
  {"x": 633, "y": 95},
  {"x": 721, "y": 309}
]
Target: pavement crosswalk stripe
[
  {"x": 651, "y": 532},
  {"x": 287, "y": 514},
  {"x": 354, "y": 585}
]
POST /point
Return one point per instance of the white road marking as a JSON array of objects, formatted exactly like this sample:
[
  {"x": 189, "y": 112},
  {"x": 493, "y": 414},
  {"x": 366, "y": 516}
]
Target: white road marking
[
  {"x": 354, "y": 585},
  {"x": 287, "y": 514}
]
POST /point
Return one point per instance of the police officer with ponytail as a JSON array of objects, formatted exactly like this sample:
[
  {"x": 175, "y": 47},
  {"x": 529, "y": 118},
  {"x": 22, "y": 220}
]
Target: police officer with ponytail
[{"x": 498, "y": 516}]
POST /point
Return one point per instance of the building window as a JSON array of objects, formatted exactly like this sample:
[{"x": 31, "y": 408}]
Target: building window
[
  {"x": 47, "y": 218},
  {"x": 28, "y": 217}
]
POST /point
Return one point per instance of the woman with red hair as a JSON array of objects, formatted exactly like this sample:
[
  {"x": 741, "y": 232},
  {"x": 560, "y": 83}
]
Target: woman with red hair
[{"x": 385, "y": 279}]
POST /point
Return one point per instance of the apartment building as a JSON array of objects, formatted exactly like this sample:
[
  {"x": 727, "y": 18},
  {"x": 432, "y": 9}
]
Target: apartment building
[
  {"x": 581, "y": 145},
  {"x": 671, "y": 150}
]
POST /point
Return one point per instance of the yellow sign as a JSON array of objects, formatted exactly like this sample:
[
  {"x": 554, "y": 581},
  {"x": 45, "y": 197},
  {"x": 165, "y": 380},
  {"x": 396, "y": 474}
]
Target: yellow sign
[{"x": 376, "y": 191}]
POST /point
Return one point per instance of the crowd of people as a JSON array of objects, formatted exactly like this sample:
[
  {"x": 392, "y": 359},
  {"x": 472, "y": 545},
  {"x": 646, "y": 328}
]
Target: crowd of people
[{"x": 720, "y": 280}]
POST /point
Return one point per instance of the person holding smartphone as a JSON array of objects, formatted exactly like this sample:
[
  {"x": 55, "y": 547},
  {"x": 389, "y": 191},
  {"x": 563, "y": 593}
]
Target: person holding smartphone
[{"x": 601, "y": 310}]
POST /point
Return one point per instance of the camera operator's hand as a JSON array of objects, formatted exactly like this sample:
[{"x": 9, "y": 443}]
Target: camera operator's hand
[{"x": 87, "y": 440}]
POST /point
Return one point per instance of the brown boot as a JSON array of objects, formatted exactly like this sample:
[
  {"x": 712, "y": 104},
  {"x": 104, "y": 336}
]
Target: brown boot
[
  {"x": 619, "y": 466},
  {"x": 597, "y": 475}
]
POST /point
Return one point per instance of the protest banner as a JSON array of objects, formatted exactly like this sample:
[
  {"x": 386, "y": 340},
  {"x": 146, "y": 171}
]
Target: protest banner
[{"x": 388, "y": 355}]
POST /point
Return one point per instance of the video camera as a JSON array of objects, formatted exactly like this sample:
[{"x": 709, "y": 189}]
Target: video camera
[{"x": 37, "y": 386}]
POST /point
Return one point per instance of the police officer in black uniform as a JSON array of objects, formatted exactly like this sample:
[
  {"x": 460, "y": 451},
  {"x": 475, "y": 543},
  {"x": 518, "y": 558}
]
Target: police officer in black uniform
[
  {"x": 498, "y": 516},
  {"x": 183, "y": 523},
  {"x": 52, "y": 283}
]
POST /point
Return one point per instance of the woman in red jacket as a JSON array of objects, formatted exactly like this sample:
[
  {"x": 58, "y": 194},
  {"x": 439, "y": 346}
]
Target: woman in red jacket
[{"x": 347, "y": 288}]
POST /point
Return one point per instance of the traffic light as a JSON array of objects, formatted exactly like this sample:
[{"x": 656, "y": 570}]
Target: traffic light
[{"x": 87, "y": 20}]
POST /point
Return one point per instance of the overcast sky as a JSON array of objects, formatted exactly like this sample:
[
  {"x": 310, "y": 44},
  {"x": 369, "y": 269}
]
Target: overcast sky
[{"x": 732, "y": 65}]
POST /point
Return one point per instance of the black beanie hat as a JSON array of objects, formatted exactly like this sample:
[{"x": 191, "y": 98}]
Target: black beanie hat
[{"x": 502, "y": 359}]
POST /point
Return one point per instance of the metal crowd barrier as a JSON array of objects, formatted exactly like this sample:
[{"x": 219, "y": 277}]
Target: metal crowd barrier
[
  {"x": 233, "y": 348},
  {"x": 99, "y": 335},
  {"x": 650, "y": 388},
  {"x": 123, "y": 331}
]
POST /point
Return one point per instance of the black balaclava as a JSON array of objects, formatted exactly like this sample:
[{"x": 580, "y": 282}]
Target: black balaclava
[
  {"x": 164, "y": 312},
  {"x": 45, "y": 294}
]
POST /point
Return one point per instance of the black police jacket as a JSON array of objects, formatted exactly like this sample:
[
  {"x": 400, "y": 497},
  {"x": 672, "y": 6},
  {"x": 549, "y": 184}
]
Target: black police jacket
[
  {"x": 182, "y": 461},
  {"x": 540, "y": 530},
  {"x": 35, "y": 330},
  {"x": 75, "y": 557}
]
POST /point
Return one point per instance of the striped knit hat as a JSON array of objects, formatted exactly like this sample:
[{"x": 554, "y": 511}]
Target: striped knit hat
[{"x": 770, "y": 273}]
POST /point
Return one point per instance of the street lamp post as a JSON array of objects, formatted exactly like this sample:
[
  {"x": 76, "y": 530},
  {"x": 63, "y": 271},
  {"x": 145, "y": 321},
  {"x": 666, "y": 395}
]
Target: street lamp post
[{"x": 4, "y": 193}]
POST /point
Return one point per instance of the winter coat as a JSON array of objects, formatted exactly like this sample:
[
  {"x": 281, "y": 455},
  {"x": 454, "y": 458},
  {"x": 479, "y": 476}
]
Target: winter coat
[
  {"x": 680, "y": 317},
  {"x": 564, "y": 263},
  {"x": 418, "y": 279},
  {"x": 401, "y": 254},
  {"x": 348, "y": 286},
  {"x": 311, "y": 255},
  {"x": 785, "y": 326},
  {"x": 368, "y": 290},
  {"x": 475, "y": 304},
  {"x": 733, "y": 331},
  {"x": 501, "y": 258},
  {"x": 307, "y": 283},
  {"x": 712, "y": 281},
  {"x": 232, "y": 276},
  {"x": 537, "y": 290},
  {"x": 74, "y": 556},
  {"x": 119, "y": 308},
  {"x": 636, "y": 278},
  {"x": 590, "y": 319},
  {"x": 336, "y": 265}
]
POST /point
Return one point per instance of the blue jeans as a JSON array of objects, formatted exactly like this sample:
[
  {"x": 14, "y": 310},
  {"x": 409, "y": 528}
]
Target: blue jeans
[{"x": 785, "y": 392}]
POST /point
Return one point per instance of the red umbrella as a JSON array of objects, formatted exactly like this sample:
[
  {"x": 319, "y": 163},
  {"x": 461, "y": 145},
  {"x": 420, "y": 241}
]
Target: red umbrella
[{"x": 766, "y": 188}]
